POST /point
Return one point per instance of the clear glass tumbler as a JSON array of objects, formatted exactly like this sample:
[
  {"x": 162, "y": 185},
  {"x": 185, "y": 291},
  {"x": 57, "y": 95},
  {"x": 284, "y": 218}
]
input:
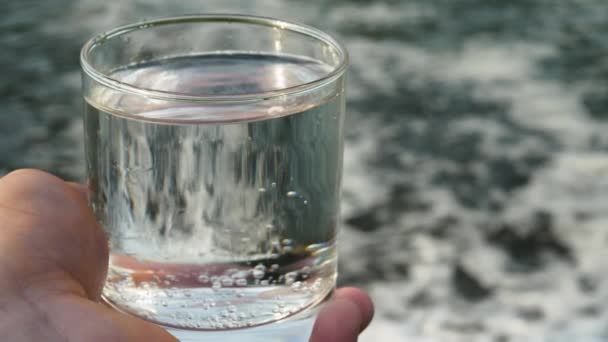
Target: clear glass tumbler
[{"x": 214, "y": 158}]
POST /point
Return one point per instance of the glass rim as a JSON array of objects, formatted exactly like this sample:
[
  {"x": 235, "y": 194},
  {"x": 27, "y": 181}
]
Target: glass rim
[{"x": 309, "y": 31}]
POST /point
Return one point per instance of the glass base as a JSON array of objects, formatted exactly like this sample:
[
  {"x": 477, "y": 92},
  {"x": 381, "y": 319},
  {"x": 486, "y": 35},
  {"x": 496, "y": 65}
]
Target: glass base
[{"x": 295, "y": 329}]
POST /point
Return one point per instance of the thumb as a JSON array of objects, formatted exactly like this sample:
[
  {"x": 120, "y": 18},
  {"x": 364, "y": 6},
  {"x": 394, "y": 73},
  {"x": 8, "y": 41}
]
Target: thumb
[
  {"x": 53, "y": 256},
  {"x": 47, "y": 230}
]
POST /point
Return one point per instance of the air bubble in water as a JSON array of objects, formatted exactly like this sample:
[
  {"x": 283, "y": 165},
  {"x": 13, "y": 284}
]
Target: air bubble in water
[
  {"x": 292, "y": 194},
  {"x": 203, "y": 278},
  {"x": 258, "y": 274},
  {"x": 260, "y": 267},
  {"x": 240, "y": 274},
  {"x": 227, "y": 281},
  {"x": 290, "y": 278},
  {"x": 241, "y": 282},
  {"x": 259, "y": 271}
]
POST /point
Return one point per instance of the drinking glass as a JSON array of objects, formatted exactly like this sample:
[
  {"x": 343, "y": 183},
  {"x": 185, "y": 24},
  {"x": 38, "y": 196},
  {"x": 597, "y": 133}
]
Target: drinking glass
[{"x": 214, "y": 161}]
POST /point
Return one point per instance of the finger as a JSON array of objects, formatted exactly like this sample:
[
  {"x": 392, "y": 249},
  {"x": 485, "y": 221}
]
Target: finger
[
  {"x": 339, "y": 321},
  {"x": 80, "y": 189},
  {"x": 97, "y": 322},
  {"x": 343, "y": 318},
  {"x": 46, "y": 230},
  {"x": 364, "y": 303}
]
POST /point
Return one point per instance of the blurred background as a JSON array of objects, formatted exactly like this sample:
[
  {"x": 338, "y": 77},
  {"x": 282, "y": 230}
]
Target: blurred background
[{"x": 475, "y": 197}]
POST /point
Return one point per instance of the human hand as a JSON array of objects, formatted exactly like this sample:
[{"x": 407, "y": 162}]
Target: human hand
[{"x": 53, "y": 261}]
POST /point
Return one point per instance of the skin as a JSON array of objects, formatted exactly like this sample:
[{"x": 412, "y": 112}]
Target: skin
[{"x": 53, "y": 260}]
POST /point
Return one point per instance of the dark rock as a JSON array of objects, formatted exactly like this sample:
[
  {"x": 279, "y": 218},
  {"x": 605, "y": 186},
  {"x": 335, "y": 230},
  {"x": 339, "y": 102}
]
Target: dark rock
[
  {"x": 501, "y": 338},
  {"x": 531, "y": 314},
  {"x": 387, "y": 270},
  {"x": 468, "y": 286},
  {"x": 376, "y": 267},
  {"x": 587, "y": 284},
  {"x": 582, "y": 216},
  {"x": 464, "y": 327},
  {"x": 401, "y": 268},
  {"x": 596, "y": 103},
  {"x": 443, "y": 226},
  {"x": 528, "y": 251},
  {"x": 590, "y": 311},
  {"x": 402, "y": 198},
  {"x": 420, "y": 299},
  {"x": 366, "y": 221}
]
